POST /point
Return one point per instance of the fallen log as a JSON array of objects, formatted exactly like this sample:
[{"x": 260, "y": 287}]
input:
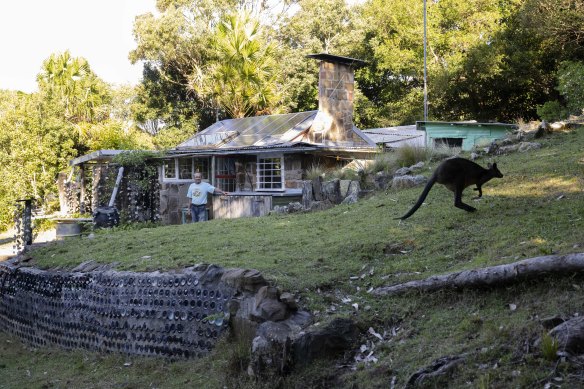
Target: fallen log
[{"x": 490, "y": 276}]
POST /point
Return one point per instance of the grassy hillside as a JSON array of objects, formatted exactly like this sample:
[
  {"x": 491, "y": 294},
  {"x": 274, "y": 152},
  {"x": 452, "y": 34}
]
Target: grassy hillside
[{"x": 329, "y": 257}]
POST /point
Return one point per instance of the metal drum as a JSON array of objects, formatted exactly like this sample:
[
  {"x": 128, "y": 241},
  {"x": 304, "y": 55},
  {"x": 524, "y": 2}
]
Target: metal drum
[{"x": 66, "y": 228}]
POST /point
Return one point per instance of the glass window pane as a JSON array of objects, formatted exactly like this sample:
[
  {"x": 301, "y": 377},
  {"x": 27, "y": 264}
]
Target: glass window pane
[
  {"x": 169, "y": 168},
  {"x": 185, "y": 168},
  {"x": 202, "y": 166}
]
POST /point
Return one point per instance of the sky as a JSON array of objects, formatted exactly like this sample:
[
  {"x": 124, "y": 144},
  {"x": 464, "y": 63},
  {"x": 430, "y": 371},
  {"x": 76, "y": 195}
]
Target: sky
[{"x": 98, "y": 30}]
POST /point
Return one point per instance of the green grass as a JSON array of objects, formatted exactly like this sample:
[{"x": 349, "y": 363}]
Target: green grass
[{"x": 536, "y": 209}]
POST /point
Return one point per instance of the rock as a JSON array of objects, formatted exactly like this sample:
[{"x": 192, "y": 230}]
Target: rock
[
  {"x": 295, "y": 207},
  {"x": 526, "y": 146},
  {"x": 418, "y": 166},
  {"x": 317, "y": 189},
  {"x": 279, "y": 209},
  {"x": 331, "y": 191},
  {"x": 543, "y": 129},
  {"x": 307, "y": 194},
  {"x": 551, "y": 322},
  {"x": 345, "y": 187},
  {"x": 403, "y": 182},
  {"x": 402, "y": 171},
  {"x": 244, "y": 279},
  {"x": 289, "y": 300},
  {"x": 382, "y": 180},
  {"x": 338, "y": 336},
  {"x": 570, "y": 335},
  {"x": 268, "y": 305},
  {"x": 352, "y": 193}
]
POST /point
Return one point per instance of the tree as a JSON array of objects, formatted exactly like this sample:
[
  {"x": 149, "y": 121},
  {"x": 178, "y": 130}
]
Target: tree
[
  {"x": 69, "y": 82},
  {"x": 240, "y": 78}
]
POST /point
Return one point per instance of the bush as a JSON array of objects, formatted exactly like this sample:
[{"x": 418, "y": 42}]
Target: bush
[
  {"x": 552, "y": 111},
  {"x": 410, "y": 155}
]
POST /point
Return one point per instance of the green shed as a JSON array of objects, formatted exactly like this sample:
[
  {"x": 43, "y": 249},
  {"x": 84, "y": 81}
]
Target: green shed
[{"x": 463, "y": 134}]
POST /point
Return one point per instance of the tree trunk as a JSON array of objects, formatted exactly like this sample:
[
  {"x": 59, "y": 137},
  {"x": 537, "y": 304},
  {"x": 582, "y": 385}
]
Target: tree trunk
[{"x": 494, "y": 275}]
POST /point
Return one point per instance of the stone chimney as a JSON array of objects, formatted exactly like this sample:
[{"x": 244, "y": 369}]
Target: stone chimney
[{"x": 334, "y": 120}]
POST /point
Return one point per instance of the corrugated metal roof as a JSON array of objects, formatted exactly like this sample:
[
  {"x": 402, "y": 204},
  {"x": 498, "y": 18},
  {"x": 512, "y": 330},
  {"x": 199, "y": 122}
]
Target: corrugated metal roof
[
  {"x": 252, "y": 131},
  {"x": 393, "y": 134}
]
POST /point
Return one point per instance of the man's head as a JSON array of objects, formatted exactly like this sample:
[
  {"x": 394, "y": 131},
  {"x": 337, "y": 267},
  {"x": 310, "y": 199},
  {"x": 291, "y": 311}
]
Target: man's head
[{"x": 198, "y": 178}]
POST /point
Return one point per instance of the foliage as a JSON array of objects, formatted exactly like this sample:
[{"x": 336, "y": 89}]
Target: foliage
[
  {"x": 552, "y": 111},
  {"x": 329, "y": 26},
  {"x": 70, "y": 83},
  {"x": 571, "y": 85},
  {"x": 549, "y": 347},
  {"x": 240, "y": 77}
]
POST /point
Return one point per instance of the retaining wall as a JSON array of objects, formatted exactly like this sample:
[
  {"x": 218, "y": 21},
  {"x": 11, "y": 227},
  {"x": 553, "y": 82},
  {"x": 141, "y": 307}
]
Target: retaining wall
[{"x": 180, "y": 314}]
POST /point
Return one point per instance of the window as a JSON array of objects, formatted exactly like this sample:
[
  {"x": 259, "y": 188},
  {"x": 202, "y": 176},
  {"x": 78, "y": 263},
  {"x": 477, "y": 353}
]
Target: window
[
  {"x": 450, "y": 142},
  {"x": 185, "y": 168},
  {"x": 270, "y": 173},
  {"x": 169, "y": 168},
  {"x": 225, "y": 174},
  {"x": 201, "y": 165}
]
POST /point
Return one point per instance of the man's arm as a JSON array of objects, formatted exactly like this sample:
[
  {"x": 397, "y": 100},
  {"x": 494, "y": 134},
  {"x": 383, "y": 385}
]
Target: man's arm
[{"x": 218, "y": 191}]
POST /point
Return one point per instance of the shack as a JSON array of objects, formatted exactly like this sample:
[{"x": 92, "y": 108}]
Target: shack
[
  {"x": 261, "y": 161},
  {"x": 464, "y": 135}
]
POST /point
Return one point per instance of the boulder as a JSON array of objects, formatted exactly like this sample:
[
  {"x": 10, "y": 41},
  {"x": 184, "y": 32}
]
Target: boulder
[
  {"x": 327, "y": 342},
  {"x": 268, "y": 306},
  {"x": 526, "y": 146},
  {"x": 570, "y": 335},
  {"x": 244, "y": 279},
  {"x": 402, "y": 171},
  {"x": 382, "y": 180},
  {"x": 403, "y": 182},
  {"x": 352, "y": 193},
  {"x": 331, "y": 191}
]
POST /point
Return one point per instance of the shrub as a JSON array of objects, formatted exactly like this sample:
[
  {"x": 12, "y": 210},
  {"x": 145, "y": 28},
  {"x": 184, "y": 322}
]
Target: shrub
[
  {"x": 549, "y": 347},
  {"x": 314, "y": 172},
  {"x": 552, "y": 111},
  {"x": 410, "y": 155}
]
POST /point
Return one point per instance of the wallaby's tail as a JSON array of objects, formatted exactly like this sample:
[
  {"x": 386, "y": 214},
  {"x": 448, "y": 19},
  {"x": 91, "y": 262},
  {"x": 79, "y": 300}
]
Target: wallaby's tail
[{"x": 421, "y": 199}]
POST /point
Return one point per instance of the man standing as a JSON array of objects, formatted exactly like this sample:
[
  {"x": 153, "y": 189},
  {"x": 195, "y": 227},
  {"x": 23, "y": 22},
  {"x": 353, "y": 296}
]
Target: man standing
[{"x": 198, "y": 194}]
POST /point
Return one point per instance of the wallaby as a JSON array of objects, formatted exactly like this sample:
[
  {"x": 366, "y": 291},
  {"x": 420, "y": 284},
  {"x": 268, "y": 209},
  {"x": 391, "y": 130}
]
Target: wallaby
[{"x": 456, "y": 174}]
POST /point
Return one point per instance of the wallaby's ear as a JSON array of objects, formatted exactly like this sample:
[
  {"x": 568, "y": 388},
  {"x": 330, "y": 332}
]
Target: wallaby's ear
[
  {"x": 494, "y": 165},
  {"x": 489, "y": 165}
]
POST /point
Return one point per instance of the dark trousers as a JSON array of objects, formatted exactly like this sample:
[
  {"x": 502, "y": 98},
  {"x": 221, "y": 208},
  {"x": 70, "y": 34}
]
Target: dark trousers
[{"x": 199, "y": 213}]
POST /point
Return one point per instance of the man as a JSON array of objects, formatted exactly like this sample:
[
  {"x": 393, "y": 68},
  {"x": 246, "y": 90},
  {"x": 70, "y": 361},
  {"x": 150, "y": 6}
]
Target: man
[{"x": 198, "y": 194}]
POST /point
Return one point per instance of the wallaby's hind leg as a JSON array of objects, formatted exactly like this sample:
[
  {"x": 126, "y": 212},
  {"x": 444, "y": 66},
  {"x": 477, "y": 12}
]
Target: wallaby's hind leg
[{"x": 458, "y": 201}]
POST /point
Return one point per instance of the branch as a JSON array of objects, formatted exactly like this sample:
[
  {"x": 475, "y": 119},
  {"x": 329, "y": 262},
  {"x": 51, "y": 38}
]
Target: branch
[{"x": 494, "y": 275}]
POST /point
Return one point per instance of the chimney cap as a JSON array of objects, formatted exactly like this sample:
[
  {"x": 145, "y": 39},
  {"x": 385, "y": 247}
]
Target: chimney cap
[{"x": 356, "y": 63}]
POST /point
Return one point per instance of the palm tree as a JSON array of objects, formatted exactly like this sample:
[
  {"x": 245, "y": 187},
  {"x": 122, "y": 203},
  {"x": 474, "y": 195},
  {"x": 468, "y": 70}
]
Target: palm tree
[
  {"x": 241, "y": 78},
  {"x": 71, "y": 82}
]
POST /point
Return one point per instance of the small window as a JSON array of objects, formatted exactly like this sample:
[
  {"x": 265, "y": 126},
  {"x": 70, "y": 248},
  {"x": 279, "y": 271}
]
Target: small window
[
  {"x": 225, "y": 174},
  {"x": 185, "y": 168},
  {"x": 169, "y": 168},
  {"x": 201, "y": 165},
  {"x": 270, "y": 173},
  {"x": 450, "y": 142}
]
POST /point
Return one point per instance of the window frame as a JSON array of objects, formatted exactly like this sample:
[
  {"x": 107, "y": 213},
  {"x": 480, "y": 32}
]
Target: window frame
[
  {"x": 259, "y": 175},
  {"x": 176, "y": 164}
]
